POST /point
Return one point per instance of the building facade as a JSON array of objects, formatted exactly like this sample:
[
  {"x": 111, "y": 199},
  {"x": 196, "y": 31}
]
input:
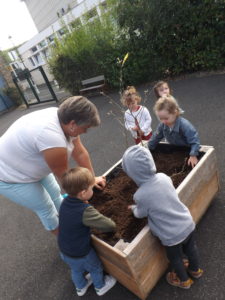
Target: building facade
[{"x": 53, "y": 18}]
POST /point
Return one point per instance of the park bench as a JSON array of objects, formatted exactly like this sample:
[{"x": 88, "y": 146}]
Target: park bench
[{"x": 93, "y": 84}]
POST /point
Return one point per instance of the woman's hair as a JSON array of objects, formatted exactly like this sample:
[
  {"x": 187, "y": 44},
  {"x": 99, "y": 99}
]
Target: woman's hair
[
  {"x": 76, "y": 180},
  {"x": 157, "y": 86},
  {"x": 80, "y": 110},
  {"x": 130, "y": 94},
  {"x": 169, "y": 104}
]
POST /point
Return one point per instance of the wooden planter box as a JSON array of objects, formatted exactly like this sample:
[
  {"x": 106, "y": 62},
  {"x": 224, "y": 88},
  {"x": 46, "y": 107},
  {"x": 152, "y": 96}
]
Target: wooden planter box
[{"x": 140, "y": 264}]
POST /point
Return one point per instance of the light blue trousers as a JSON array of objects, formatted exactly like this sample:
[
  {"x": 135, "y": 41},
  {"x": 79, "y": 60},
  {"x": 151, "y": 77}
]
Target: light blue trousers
[{"x": 42, "y": 197}]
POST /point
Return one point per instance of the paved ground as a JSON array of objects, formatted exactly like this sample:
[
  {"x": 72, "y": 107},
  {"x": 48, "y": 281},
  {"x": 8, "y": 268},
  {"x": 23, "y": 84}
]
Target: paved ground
[
  {"x": 30, "y": 266},
  {"x": 44, "y": 93}
]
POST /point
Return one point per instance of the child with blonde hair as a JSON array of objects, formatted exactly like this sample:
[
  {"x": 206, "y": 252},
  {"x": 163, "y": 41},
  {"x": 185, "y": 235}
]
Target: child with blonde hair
[
  {"x": 137, "y": 117},
  {"x": 175, "y": 129},
  {"x": 76, "y": 216}
]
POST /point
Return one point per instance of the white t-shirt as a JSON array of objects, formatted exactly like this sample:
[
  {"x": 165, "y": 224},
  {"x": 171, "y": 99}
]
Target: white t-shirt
[
  {"x": 144, "y": 120},
  {"x": 21, "y": 159}
]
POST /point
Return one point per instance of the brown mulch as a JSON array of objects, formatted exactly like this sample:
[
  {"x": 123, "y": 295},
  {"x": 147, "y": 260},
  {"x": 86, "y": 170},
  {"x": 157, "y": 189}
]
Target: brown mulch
[{"x": 118, "y": 194}]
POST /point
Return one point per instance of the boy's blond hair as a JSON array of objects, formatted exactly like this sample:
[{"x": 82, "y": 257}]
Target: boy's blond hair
[
  {"x": 129, "y": 95},
  {"x": 169, "y": 104},
  {"x": 76, "y": 180}
]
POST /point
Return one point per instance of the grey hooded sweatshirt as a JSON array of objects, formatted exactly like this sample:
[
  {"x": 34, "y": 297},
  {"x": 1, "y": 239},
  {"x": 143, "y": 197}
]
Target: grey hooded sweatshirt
[{"x": 156, "y": 198}]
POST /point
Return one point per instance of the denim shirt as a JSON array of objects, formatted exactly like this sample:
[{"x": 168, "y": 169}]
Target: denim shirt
[{"x": 183, "y": 133}]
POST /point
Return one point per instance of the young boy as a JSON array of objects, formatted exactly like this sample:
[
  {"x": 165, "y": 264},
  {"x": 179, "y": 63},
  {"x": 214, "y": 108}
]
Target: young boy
[
  {"x": 76, "y": 216},
  {"x": 168, "y": 218}
]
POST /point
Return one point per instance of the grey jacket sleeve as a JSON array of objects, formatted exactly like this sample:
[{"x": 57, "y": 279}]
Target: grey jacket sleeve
[
  {"x": 93, "y": 218},
  {"x": 139, "y": 212}
]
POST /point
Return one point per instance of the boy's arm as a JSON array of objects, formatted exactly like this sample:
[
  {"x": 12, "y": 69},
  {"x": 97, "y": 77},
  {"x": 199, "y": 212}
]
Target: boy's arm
[
  {"x": 93, "y": 218},
  {"x": 156, "y": 137}
]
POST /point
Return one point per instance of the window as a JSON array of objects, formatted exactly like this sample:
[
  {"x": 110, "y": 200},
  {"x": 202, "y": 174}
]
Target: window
[
  {"x": 103, "y": 6},
  {"x": 45, "y": 53},
  {"x": 42, "y": 44},
  {"x": 90, "y": 14},
  {"x": 34, "y": 49},
  {"x": 31, "y": 61},
  {"x": 62, "y": 31},
  {"x": 76, "y": 23},
  {"x": 51, "y": 37},
  {"x": 15, "y": 66},
  {"x": 37, "y": 58}
]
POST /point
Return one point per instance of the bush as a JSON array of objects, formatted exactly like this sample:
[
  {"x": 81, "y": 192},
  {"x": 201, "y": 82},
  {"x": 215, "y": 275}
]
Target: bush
[
  {"x": 13, "y": 94},
  {"x": 163, "y": 37}
]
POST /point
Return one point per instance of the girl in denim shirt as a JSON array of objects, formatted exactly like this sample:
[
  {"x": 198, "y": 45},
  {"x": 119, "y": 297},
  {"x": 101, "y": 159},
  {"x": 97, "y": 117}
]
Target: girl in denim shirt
[{"x": 175, "y": 129}]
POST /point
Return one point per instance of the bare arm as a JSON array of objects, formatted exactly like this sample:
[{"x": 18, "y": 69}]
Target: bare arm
[
  {"x": 57, "y": 160},
  {"x": 81, "y": 156}
]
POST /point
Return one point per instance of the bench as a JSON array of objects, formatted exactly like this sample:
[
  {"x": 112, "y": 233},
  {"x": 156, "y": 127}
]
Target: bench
[{"x": 93, "y": 84}]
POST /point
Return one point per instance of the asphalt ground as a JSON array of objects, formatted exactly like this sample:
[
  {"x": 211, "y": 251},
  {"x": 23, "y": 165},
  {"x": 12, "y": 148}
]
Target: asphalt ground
[{"x": 30, "y": 267}]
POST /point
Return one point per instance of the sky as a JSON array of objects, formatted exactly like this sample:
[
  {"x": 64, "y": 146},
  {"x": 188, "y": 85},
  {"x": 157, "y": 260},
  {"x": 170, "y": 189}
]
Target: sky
[{"x": 15, "y": 21}]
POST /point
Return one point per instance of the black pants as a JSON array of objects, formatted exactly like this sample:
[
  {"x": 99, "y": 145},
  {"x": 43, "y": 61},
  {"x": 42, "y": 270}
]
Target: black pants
[{"x": 176, "y": 253}]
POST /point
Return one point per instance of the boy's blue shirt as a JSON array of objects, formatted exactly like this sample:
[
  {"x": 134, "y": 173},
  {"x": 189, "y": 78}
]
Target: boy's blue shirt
[{"x": 182, "y": 134}]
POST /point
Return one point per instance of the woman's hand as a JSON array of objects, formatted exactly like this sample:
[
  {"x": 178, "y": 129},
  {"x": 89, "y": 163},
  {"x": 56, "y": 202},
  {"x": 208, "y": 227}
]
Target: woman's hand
[
  {"x": 192, "y": 161},
  {"x": 100, "y": 182}
]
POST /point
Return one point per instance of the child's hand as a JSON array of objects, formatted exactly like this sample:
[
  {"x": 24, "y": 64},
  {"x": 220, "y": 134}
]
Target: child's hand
[
  {"x": 131, "y": 207},
  {"x": 100, "y": 182},
  {"x": 135, "y": 128},
  {"x": 192, "y": 161}
]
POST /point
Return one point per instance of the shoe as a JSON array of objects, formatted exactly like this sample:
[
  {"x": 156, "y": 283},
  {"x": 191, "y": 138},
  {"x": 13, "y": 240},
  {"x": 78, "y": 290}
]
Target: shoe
[
  {"x": 81, "y": 292},
  {"x": 196, "y": 274},
  {"x": 109, "y": 283},
  {"x": 186, "y": 262},
  {"x": 172, "y": 279}
]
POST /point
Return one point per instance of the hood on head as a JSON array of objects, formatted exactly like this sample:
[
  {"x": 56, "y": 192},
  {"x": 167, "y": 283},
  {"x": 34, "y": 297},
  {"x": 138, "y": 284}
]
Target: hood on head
[{"x": 138, "y": 164}]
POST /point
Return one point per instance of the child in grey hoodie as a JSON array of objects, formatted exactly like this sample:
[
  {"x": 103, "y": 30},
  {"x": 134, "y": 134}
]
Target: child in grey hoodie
[{"x": 168, "y": 218}]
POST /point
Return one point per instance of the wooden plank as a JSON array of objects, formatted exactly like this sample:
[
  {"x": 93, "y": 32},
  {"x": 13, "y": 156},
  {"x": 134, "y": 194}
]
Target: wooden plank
[
  {"x": 204, "y": 198},
  {"x": 152, "y": 273},
  {"x": 124, "y": 278},
  {"x": 197, "y": 178},
  {"x": 111, "y": 254}
]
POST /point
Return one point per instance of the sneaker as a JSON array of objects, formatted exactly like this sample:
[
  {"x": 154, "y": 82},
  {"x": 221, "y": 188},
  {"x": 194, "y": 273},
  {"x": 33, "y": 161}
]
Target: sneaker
[
  {"x": 172, "y": 279},
  {"x": 185, "y": 262},
  {"x": 196, "y": 274},
  {"x": 81, "y": 292},
  {"x": 109, "y": 283}
]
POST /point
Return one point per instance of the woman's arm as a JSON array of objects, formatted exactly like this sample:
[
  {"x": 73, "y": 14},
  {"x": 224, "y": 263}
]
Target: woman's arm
[
  {"x": 81, "y": 156},
  {"x": 57, "y": 160}
]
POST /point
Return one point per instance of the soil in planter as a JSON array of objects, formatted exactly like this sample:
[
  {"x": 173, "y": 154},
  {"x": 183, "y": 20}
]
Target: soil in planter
[{"x": 118, "y": 194}]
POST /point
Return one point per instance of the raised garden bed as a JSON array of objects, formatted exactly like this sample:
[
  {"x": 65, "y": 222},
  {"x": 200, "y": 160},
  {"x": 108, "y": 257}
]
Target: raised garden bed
[{"x": 139, "y": 263}]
